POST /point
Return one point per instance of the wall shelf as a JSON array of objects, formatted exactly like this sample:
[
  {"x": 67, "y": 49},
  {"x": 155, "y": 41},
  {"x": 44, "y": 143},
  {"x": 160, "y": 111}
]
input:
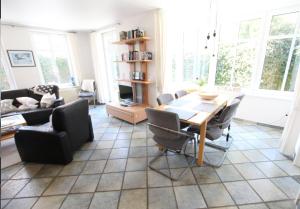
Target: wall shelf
[
  {"x": 132, "y": 41},
  {"x": 135, "y": 113}
]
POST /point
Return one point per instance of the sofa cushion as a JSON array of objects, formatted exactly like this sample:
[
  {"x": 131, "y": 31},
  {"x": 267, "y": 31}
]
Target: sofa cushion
[
  {"x": 27, "y": 101},
  {"x": 47, "y": 100},
  {"x": 27, "y": 107},
  {"x": 7, "y": 106}
]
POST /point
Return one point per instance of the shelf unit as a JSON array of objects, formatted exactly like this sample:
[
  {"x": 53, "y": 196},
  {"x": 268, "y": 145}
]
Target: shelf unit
[{"x": 133, "y": 114}]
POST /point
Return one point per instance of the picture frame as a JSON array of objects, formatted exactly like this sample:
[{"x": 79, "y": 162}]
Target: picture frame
[{"x": 21, "y": 58}]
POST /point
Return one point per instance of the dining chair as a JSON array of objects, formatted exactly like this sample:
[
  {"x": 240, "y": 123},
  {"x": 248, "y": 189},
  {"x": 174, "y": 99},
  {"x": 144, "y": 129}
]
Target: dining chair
[
  {"x": 180, "y": 93},
  {"x": 165, "y": 127},
  {"x": 215, "y": 130},
  {"x": 88, "y": 90},
  {"x": 164, "y": 99}
]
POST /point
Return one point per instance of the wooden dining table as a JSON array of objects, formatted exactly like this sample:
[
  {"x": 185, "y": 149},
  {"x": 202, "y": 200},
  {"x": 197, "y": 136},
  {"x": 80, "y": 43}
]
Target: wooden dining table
[{"x": 204, "y": 111}]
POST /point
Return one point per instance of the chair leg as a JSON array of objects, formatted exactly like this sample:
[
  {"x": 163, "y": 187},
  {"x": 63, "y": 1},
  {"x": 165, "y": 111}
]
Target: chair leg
[
  {"x": 219, "y": 163},
  {"x": 168, "y": 176},
  {"x": 228, "y": 135},
  {"x": 221, "y": 148}
]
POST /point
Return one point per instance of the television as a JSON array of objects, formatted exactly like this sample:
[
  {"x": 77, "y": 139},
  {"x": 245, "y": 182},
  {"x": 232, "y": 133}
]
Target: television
[{"x": 126, "y": 93}]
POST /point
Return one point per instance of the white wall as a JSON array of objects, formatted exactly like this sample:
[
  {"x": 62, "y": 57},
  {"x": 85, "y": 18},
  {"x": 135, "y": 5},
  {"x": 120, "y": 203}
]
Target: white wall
[
  {"x": 264, "y": 109},
  {"x": 146, "y": 22},
  {"x": 19, "y": 38}
]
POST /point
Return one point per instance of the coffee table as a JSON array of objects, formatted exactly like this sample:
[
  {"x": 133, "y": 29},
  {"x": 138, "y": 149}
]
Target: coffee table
[{"x": 9, "y": 126}]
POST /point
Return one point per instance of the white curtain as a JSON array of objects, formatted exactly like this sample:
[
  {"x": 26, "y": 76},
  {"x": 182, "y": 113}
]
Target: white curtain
[
  {"x": 98, "y": 57},
  {"x": 72, "y": 43},
  {"x": 290, "y": 144},
  {"x": 160, "y": 52}
]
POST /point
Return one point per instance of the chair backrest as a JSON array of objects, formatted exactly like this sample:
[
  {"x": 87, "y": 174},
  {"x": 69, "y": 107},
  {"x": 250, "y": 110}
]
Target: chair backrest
[
  {"x": 74, "y": 119},
  {"x": 88, "y": 85},
  {"x": 240, "y": 96},
  {"x": 164, "y": 99},
  {"x": 165, "y": 127},
  {"x": 228, "y": 113},
  {"x": 180, "y": 93}
]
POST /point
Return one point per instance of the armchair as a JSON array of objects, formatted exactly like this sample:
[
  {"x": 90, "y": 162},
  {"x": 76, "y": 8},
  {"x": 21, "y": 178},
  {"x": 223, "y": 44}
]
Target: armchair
[{"x": 56, "y": 142}]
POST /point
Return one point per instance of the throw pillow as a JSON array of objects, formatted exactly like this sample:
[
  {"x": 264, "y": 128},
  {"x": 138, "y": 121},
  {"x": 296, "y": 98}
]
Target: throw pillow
[
  {"x": 27, "y": 107},
  {"x": 48, "y": 100},
  {"x": 7, "y": 106},
  {"x": 27, "y": 101}
]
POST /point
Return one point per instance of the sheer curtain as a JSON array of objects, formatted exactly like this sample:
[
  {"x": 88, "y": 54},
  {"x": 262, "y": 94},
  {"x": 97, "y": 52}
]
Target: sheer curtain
[
  {"x": 103, "y": 54},
  {"x": 290, "y": 144},
  {"x": 160, "y": 46},
  {"x": 99, "y": 62}
]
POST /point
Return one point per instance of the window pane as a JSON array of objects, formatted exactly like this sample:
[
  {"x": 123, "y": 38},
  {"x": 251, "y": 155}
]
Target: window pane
[
  {"x": 4, "y": 84},
  {"x": 294, "y": 67},
  {"x": 225, "y": 64},
  {"x": 275, "y": 62},
  {"x": 189, "y": 49},
  {"x": 283, "y": 24},
  {"x": 249, "y": 29},
  {"x": 63, "y": 70},
  {"x": 52, "y": 52},
  {"x": 47, "y": 68},
  {"x": 245, "y": 57}
]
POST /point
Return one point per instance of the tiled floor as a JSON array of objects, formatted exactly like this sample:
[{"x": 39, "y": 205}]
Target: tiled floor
[{"x": 112, "y": 172}]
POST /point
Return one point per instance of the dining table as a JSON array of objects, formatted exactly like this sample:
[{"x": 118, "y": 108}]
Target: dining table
[{"x": 194, "y": 110}]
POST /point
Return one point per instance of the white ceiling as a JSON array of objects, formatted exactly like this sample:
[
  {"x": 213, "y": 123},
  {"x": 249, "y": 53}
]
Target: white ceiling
[
  {"x": 82, "y": 15},
  {"x": 72, "y": 15}
]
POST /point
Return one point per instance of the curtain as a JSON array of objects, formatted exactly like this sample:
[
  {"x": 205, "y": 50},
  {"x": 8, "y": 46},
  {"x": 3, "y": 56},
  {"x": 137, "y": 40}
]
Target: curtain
[
  {"x": 160, "y": 52},
  {"x": 101, "y": 77},
  {"x": 290, "y": 144},
  {"x": 72, "y": 43}
]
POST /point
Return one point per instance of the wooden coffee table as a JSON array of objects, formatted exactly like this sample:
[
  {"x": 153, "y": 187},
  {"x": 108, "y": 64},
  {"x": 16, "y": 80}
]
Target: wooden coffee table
[{"x": 9, "y": 126}]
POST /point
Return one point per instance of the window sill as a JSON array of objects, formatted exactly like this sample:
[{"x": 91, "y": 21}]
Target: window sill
[
  {"x": 68, "y": 87},
  {"x": 269, "y": 94}
]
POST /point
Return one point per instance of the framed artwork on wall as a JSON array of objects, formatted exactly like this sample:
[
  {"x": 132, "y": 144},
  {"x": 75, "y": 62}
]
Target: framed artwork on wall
[{"x": 21, "y": 58}]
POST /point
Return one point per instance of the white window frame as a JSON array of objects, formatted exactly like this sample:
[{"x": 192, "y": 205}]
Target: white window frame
[
  {"x": 261, "y": 52},
  {"x": 7, "y": 70},
  {"x": 68, "y": 56}
]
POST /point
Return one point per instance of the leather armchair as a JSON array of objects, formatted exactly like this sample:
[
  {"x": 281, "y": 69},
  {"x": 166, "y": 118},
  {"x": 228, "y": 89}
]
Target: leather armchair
[{"x": 56, "y": 142}]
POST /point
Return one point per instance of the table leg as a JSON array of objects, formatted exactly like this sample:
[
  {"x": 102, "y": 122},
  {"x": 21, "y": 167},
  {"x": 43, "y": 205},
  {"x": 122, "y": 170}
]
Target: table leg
[{"x": 201, "y": 143}]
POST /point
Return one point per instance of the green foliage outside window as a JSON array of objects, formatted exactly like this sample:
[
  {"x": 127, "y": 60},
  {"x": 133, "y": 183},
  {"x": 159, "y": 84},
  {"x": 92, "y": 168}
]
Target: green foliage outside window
[
  {"x": 275, "y": 62},
  {"x": 63, "y": 70},
  {"x": 47, "y": 69}
]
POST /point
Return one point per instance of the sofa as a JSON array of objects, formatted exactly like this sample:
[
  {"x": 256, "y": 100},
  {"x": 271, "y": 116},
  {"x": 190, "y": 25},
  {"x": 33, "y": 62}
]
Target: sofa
[
  {"x": 32, "y": 116},
  {"x": 56, "y": 141}
]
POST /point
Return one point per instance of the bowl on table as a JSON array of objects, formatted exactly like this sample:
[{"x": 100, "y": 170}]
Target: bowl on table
[{"x": 208, "y": 95}]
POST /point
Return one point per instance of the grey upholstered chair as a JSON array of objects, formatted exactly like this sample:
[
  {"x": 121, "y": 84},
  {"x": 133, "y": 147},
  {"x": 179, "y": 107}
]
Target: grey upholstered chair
[
  {"x": 215, "y": 129},
  {"x": 164, "y": 99},
  {"x": 88, "y": 94},
  {"x": 167, "y": 134},
  {"x": 180, "y": 93}
]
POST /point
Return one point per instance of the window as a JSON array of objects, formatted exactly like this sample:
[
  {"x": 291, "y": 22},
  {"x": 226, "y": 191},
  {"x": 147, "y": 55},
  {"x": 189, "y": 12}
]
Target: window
[
  {"x": 6, "y": 80},
  {"x": 189, "y": 60},
  {"x": 53, "y": 56},
  {"x": 4, "y": 83},
  {"x": 282, "y": 54},
  {"x": 237, "y": 53}
]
